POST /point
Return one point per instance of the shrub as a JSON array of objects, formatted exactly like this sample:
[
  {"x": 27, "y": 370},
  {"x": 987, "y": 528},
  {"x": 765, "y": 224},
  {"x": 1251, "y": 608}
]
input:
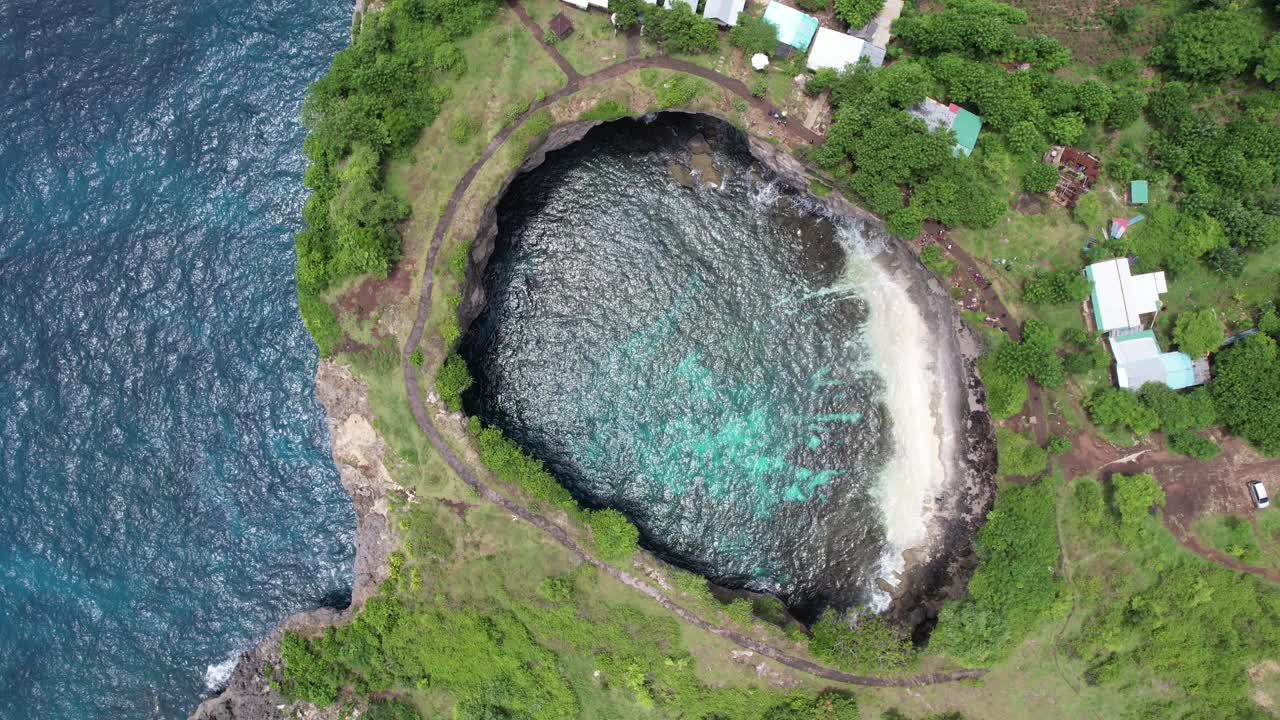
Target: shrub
[
  {"x": 1193, "y": 446},
  {"x": 868, "y": 644},
  {"x": 1088, "y": 211},
  {"x": 1025, "y": 139},
  {"x": 606, "y": 110},
  {"x": 1211, "y": 45},
  {"x": 615, "y": 538},
  {"x": 1041, "y": 178},
  {"x": 933, "y": 259},
  {"x": 1058, "y": 445},
  {"x": 679, "y": 30},
  {"x": 1133, "y": 497},
  {"x": 462, "y": 130},
  {"x": 321, "y": 322},
  {"x": 759, "y": 87},
  {"x": 308, "y": 676},
  {"x": 511, "y": 465},
  {"x": 1066, "y": 129},
  {"x": 1018, "y": 454},
  {"x": 452, "y": 380},
  {"x": 416, "y": 358},
  {"x": 753, "y": 35},
  {"x": 739, "y": 612},
  {"x": 740, "y": 105},
  {"x": 1120, "y": 409},
  {"x": 679, "y": 90},
  {"x": 814, "y": 6}
]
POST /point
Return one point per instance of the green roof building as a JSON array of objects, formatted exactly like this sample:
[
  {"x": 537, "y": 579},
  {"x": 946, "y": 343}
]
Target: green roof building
[
  {"x": 966, "y": 126},
  {"x": 1138, "y": 192}
]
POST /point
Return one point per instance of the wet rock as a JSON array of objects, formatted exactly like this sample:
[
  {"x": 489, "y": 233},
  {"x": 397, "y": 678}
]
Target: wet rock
[
  {"x": 698, "y": 145},
  {"x": 706, "y": 168},
  {"x": 682, "y": 175}
]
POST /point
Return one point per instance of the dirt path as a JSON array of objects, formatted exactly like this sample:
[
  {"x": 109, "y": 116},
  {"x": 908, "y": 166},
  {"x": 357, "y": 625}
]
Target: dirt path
[
  {"x": 539, "y": 521},
  {"x": 570, "y": 72}
]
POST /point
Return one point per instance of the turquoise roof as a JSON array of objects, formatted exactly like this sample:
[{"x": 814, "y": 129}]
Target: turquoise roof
[
  {"x": 794, "y": 27},
  {"x": 1138, "y": 192},
  {"x": 966, "y": 128},
  {"x": 1177, "y": 370}
]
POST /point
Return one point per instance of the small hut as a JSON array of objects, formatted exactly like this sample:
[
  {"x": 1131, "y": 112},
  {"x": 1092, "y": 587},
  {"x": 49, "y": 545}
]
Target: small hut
[{"x": 561, "y": 26}]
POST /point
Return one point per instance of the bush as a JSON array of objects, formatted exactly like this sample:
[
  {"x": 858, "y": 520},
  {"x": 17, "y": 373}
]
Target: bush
[
  {"x": 615, "y": 538},
  {"x": 870, "y": 644},
  {"x": 511, "y": 465},
  {"x": 1018, "y": 454},
  {"x": 858, "y": 12},
  {"x": 932, "y": 258},
  {"x": 1041, "y": 178},
  {"x": 1025, "y": 139},
  {"x": 452, "y": 380},
  {"x": 753, "y": 35},
  {"x": 321, "y": 322},
  {"x": 679, "y": 30},
  {"x": 1088, "y": 211},
  {"x": 462, "y": 130},
  {"x": 606, "y": 110},
  {"x": 1015, "y": 587},
  {"x": 1246, "y": 391},
  {"x": 1066, "y": 129},
  {"x": 814, "y": 6},
  {"x": 1058, "y": 445},
  {"x": 308, "y": 676},
  {"x": 1133, "y": 497},
  {"x": 1193, "y": 446},
  {"x": 759, "y": 87},
  {"x": 1211, "y": 45},
  {"x": 1119, "y": 409},
  {"x": 679, "y": 90}
]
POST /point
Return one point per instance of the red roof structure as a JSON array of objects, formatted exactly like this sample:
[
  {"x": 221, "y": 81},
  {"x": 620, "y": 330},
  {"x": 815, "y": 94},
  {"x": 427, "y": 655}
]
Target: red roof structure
[{"x": 561, "y": 26}]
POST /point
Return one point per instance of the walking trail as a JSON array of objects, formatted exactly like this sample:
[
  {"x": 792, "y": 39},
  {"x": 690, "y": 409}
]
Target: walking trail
[{"x": 557, "y": 533}]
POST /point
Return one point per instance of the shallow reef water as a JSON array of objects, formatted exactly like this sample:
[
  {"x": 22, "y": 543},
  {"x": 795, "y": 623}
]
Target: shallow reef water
[{"x": 166, "y": 491}]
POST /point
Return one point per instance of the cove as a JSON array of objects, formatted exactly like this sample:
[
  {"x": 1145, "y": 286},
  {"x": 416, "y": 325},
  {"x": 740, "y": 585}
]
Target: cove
[{"x": 724, "y": 363}]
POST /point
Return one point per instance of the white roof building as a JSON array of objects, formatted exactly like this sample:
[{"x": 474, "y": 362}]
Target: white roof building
[
  {"x": 1120, "y": 299},
  {"x": 836, "y": 50},
  {"x": 1139, "y": 361},
  {"x": 724, "y": 12}
]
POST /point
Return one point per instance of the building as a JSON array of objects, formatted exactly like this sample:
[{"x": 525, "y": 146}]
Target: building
[
  {"x": 1138, "y": 192},
  {"x": 1120, "y": 298},
  {"x": 963, "y": 123},
  {"x": 587, "y": 4},
  {"x": 836, "y": 51},
  {"x": 794, "y": 27},
  {"x": 561, "y": 26},
  {"x": 724, "y": 12},
  {"x": 1139, "y": 361},
  {"x": 1077, "y": 172}
]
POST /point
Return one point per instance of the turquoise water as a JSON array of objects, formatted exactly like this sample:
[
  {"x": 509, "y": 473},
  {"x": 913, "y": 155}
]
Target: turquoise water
[
  {"x": 685, "y": 356},
  {"x": 166, "y": 494}
]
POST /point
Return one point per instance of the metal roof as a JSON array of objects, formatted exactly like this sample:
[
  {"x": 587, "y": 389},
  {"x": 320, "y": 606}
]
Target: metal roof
[
  {"x": 724, "y": 11},
  {"x": 794, "y": 27},
  {"x": 1120, "y": 299},
  {"x": 967, "y": 125},
  {"x": 1138, "y": 192}
]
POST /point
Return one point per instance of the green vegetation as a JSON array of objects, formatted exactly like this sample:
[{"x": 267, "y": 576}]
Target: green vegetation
[
  {"x": 1016, "y": 587},
  {"x": 1005, "y": 368},
  {"x": 865, "y": 644},
  {"x": 932, "y": 258},
  {"x": 753, "y": 35},
  {"x": 1232, "y": 535},
  {"x": 678, "y": 29},
  {"x": 606, "y": 110},
  {"x": 857, "y": 12},
  {"x": 615, "y": 538},
  {"x": 1246, "y": 391},
  {"x": 452, "y": 380},
  {"x": 1050, "y": 287},
  {"x": 1041, "y": 178},
  {"x": 679, "y": 89},
  {"x": 321, "y": 322},
  {"x": 1198, "y": 332},
  {"x": 1018, "y": 454}
]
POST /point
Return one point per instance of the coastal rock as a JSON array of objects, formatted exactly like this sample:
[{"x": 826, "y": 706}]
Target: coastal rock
[
  {"x": 705, "y": 166},
  {"x": 358, "y": 451},
  {"x": 698, "y": 145},
  {"x": 682, "y": 176}
]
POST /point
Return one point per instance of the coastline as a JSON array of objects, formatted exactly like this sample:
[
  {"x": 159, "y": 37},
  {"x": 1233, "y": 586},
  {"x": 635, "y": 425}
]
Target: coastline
[{"x": 357, "y": 453}]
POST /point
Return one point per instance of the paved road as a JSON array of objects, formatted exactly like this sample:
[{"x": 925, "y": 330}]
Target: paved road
[{"x": 557, "y": 533}]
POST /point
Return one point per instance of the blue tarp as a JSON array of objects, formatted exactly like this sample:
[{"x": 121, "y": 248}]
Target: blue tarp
[{"x": 794, "y": 27}]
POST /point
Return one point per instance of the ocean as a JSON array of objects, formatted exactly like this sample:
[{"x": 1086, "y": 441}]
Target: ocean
[{"x": 166, "y": 491}]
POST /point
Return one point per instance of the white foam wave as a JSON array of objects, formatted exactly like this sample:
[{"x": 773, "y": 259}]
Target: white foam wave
[
  {"x": 216, "y": 676},
  {"x": 898, "y": 337}
]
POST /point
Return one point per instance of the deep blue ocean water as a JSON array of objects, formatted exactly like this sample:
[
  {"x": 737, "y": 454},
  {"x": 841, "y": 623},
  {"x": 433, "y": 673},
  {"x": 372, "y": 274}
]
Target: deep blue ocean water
[{"x": 166, "y": 494}]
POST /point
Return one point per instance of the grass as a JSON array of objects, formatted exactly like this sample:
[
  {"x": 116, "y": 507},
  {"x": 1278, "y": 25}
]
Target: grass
[{"x": 1240, "y": 538}]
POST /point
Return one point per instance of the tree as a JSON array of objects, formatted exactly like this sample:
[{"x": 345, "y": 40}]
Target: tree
[
  {"x": 613, "y": 534},
  {"x": 1246, "y": 391},
  {"x": 858, "y": 12},
  {"x": 1055, "y": 287},
  {"x": 1093, "y": 99},
  {"x": 1066, "y": 129},
  {"x": 1211, "y": 45},
  {"x": 1192, "y": 445},
  {"x": 1041, "y": 178},
  {"x": 628, "y": 13},
  {"x": 679, "y": 30},
  {"x": 1126, "y": 108},
  {"x": 753, "y": 35},
  {"x": 1018, "y": 454},
  {"x": 1198, "y": 332},
  {"x": 1117, "y": 408},
  {"x": 1025, "y": 139},
  {"x": 1269, "y": 66}
]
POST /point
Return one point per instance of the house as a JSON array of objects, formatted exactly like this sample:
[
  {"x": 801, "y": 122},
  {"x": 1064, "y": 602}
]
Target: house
[
  {"x": 965, "y": 124},
  {"x": 1120, "y": 298},
  {"x": 588, "y": 4},
  {"x": 1139, "y": 361},
  {"x": 1138, "y": 192},
  {"x": 561, "y": 26},
  {"x": 837, "y": 50},
  {"x": 1077, "y": 172},
  {"x": 724, "y": 12},
  {"x": 794, "y": 27}
]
